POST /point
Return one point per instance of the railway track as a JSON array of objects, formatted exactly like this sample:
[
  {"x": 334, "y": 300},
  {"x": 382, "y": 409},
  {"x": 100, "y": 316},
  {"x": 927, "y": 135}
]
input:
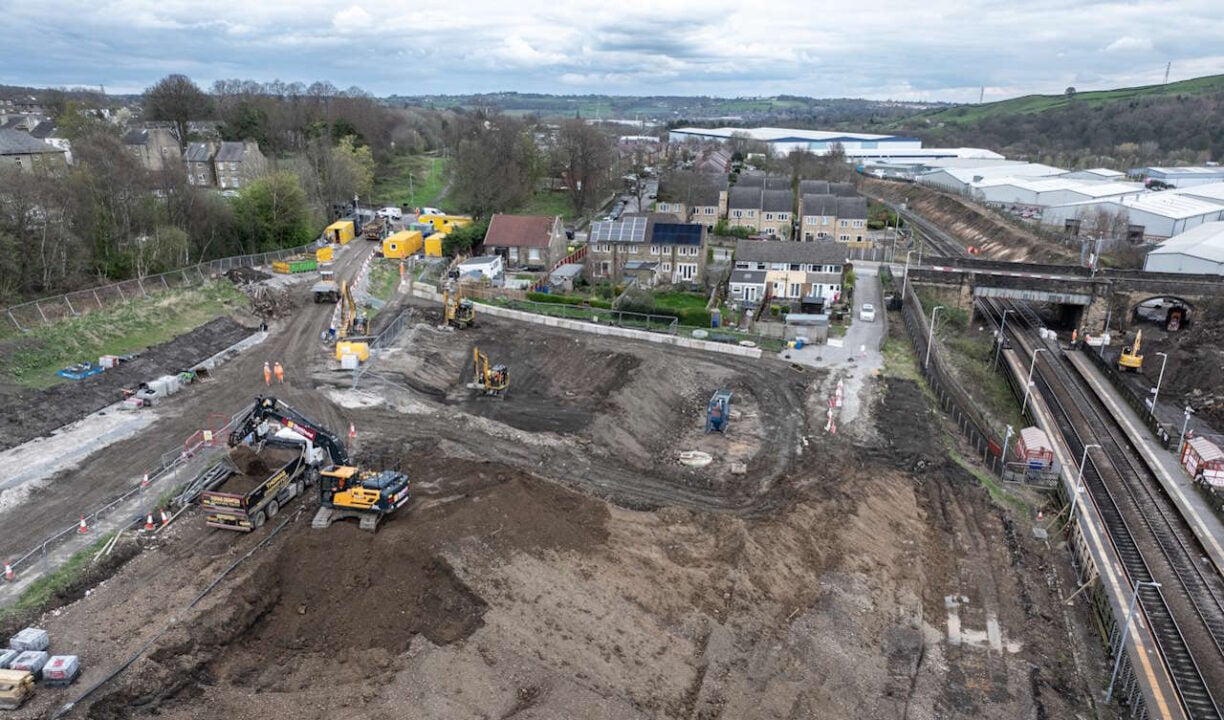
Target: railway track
[{"x": 1186, "y": 613}]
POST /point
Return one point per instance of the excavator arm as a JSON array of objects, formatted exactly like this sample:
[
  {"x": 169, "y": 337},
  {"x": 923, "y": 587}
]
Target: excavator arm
[{"x": 270, "y": 409}]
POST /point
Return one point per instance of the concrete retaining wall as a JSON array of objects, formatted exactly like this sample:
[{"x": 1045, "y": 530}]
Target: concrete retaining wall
[{"x": 430, "y": 293}]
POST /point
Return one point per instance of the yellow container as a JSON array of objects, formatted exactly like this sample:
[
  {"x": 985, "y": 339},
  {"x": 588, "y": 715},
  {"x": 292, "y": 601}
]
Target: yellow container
[
  {"x": 433, "y": 245},
  {"x": 324, "y": 254},
  {"x": 340, "y": 232},
  {"x": 402, "y": 244},
  {"x": 360, "y": 349},
  {"x": 280, "y": 266}
]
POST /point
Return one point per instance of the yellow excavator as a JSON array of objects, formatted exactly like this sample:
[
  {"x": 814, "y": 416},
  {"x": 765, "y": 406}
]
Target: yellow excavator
[
  {"x": 487, "y": 380},
  {"x": 460, "y": 312},
  {"x": 1132, "y": 357},
  {"x": 352, "y": 319}
]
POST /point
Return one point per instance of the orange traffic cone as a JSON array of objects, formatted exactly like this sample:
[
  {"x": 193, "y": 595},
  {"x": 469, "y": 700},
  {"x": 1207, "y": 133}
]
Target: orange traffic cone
[
  {"x": 149, "y": 522},
  {"x": 164, "y": 517},
  {"x": 1040, "y": 515},
  {"x": 82, "y": 528},
  {"x": 8, "y": 572},
  {"x": 144, "y": 482},
  {"x": 352, "y": 431}
]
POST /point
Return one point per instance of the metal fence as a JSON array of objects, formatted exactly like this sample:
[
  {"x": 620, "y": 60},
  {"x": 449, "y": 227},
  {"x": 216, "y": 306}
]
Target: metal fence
[
  {"x": 952, "y": 398},
  {"x": 170, "y": 467},
  {"x": 80, "y": 302},
  {"x": 384, "y": 339}
]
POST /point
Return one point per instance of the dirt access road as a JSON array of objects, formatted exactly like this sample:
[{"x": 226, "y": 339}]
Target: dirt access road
[
  {"x": 558, "y": 562},
  {"x": 294, "y": 341}
]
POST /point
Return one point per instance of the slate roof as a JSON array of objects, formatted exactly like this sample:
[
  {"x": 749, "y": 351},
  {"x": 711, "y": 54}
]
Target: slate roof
[
  {"x": 814, "y": 187},
  {"x": 519, "y": 231},
  {"x": 15, "y": 142},
  {"x": 843, "y": 189},
  {"x": 198, "y": 152},
  {"x": 231, "y": 152},
  {"x": 751, "y": 277},
  {"x": 777, "y": 201},
  {"x": 43, "y": 130},
  {"x": 818, "y": 205},
  {"x": 744, "y": 198},
  {"x": 851, "y": 208},
  {"x": 784, "y": 251}
]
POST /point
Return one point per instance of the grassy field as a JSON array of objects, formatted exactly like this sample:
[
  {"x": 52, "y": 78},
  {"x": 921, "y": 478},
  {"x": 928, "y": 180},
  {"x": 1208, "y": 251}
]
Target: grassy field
[
  {"x": 968, "y": 114},
  {"x": 549, "y": 203},
  {"x": 383, "y": 279},
  {"x": 429, "y": 175},
  {"x": 39, "y": 592},
  {"x": 34, "y": 359},
  {"x": 680, "y": 301}
]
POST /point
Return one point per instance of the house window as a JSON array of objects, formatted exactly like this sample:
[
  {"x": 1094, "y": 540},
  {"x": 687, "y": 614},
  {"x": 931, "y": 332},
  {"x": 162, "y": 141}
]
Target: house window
[
  {"x": 824, "y": 220},
  {"x": 771, "y": 231},
  {"x": 686, "y": 271},
  {"x": 634, "y": 249},
  {"x": 752, "y": 213},
  {"x": 709, "y": 211},
  {"x": 808, "y": 237},
  {"x": 844, "y": 238},
  {"x": 734, "y": 213},
  {"x": 737, "y": 291},
  {"x": 858, "y": 223},
  {"x": 795, "y": 290},
  {"x": 769, "y": 216},
  {"x": 654, "y": 250},
  {"x": 605, "y": 267},
  {"x": 533, "y": 254},
  {"x": 666, "y": 267},
  {"x": 513, "y": 254},
  {"x": 794, "y": 267}
]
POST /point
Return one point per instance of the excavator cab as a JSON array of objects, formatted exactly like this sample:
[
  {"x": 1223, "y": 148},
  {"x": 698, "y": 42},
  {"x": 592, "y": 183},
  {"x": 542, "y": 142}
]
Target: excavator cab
[
  {"x": 1132, "y": 357},
  {"x": 460, "y": 311},
  {"x": 346, "y": 491},
  {"x": 488, "y": 380}
]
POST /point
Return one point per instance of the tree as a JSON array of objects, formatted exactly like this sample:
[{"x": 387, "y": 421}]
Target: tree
[
  {"x": 462, "y": 240},
  {"x": 495, "y": 165},
  {"x": 585, "y": 155},
  {"x": 175, "y": 98},
  {"x": 353, "y": 166},
  {"x": 1069, "y": 92},
  {"x": 272, "y": 213}
]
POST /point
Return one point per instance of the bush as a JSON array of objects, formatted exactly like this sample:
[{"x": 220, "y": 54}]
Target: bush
[{"x": 693, "y": 317}]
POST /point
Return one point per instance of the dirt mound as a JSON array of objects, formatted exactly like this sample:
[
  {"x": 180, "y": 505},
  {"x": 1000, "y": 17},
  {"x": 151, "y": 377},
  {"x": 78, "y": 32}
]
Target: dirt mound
[
  {"x": 270, "y": 302},
  {"x": 28, "y": 414},
  {"x": 1196, "y": 354},
  {"x": 245, "y": 275},
  {"x": 903, "y": 413}
]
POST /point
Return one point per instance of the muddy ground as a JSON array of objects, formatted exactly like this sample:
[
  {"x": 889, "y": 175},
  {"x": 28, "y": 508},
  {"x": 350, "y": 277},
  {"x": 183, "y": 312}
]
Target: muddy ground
[
  {"x": 27, "y": 414},
  {"x": 557, "y": 561}
]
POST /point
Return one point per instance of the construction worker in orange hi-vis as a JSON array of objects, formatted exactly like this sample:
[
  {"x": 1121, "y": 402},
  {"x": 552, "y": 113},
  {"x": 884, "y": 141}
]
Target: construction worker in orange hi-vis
[
  {"x": 267, "y": 374},
  {"x": 280, "y": 373}
]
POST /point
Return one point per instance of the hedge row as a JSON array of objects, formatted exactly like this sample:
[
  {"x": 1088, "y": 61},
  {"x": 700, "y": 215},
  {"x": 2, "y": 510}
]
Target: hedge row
[{"x": 568, "y": 300}]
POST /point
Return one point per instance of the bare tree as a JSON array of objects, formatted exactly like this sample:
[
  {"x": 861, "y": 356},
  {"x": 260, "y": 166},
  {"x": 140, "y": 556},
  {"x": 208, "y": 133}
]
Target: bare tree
[
  {"x": 176, "y": 99},
  {"x": 585, "y": 154}
]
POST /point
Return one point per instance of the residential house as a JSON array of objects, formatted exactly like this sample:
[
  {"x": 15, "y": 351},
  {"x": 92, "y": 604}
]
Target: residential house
[
  {"x": 713, "y": 160},
  {"x": 156, "y": 148},
  {"x": 744, "y": 207},
  {"x": 199, "y": 161},
  {"x": 238, "y": 163},
  {"x": 48, "y": 133},
  {"x": 824, "y": 187},
  {"x": 817, "y": 216},
  {"x": 851, "y": 220},
  {"x": 693, "y": 197},
  {"x": 27, "y": 153},
  {"x": 527, "y": 242},
  {"x": 765, "y": 182},
  {"x": 639, "y": 246},
  {"x": 843, "y": 189},
  {"x": 791, "y": 271},
  {"x": 777, "y": 209}
]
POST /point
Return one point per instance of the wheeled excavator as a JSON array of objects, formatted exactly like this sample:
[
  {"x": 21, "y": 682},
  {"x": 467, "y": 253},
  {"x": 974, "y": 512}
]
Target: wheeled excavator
[
  {"x": 486, "y": 380},
  {"x": 1132, "y": 356},
  {"x": 345, "y": 490},
  {"x": 460, "y": 312}
]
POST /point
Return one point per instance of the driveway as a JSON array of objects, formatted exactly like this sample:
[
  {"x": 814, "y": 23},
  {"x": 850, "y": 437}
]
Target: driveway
[{"x": 857, "y": 355}]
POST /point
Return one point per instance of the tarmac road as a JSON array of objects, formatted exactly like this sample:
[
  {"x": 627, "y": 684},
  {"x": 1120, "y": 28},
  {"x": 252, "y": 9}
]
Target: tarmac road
[{"x": 117, "y": 468}]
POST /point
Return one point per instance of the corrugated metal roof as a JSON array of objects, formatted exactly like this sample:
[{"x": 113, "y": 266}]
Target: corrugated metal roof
[
  {"x": 1170, "y": 205},
  {"x": 1204, "y": 241},
  {"x": 1213, "y": 192},
  {"x": 1205, "y": 449}
]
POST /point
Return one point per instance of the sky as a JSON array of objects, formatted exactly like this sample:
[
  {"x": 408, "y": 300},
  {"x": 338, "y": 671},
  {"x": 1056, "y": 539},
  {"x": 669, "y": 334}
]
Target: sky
[{"x": 945, "y": 50}]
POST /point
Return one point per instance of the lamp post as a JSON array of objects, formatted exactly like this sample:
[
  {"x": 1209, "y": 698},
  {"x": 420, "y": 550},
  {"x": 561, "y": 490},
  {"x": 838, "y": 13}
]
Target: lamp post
[
  {"x": 1079, "y": 479},
  {"x": 1164, "y": 360},
  {"x": 1130, "y": 614},
  {"x": 905, "y": 280},
  {"x": 1006, "y": 441},
  {"x": 1028, "y": 384},
  {"x": 1181, "y": 440},
  {"x": 1002, "y": 326},
  {"x": 930, "y": 336}
]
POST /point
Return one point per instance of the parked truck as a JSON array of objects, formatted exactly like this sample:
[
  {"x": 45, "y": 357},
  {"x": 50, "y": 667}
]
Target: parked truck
[{"x": 254, "y": 482}]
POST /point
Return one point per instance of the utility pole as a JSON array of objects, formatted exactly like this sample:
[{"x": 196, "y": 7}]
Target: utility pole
[
  {"x": 982, "y": 94},
  {"x": 1168, "y": 67},
  {"x": 1130, "y": 615}
]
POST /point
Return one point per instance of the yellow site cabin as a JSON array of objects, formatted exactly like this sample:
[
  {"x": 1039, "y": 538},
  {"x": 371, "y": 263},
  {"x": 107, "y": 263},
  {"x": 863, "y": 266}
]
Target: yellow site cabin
[
  {"x": 340, "y": 232},
  {"x": 402, "y": 244},
  {"x": 433, "y": 245}
]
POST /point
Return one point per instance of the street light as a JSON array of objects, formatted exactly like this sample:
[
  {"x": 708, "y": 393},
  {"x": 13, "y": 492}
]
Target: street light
[
  {"x": 1181, "y": 440},
  {"x": 930, "y": 336},
  {"x": 1130, "y": 614},
  {"x": 1079, "y": 480},
  {"x": 905, "y": 281},
  {"x": 1156, "y": 393},
  {"x": 1028, "y": 384},
  {"x": 1002, "y": 327},
  {"x": 1006, "y": 441}
]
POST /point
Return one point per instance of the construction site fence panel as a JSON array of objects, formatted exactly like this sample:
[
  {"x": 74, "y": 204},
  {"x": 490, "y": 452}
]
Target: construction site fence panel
[{"x": 48, "y": 310}]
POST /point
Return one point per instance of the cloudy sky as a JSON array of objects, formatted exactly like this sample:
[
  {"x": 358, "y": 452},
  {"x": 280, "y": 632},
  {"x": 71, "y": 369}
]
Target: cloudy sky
[{"x": 898, "y": 49}]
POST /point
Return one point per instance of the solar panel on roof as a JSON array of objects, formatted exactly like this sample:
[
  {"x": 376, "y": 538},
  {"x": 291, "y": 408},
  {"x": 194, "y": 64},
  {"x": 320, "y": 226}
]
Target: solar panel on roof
[
  {"x": 629, "y": 230},
  {"x": 677, "y": 234}
]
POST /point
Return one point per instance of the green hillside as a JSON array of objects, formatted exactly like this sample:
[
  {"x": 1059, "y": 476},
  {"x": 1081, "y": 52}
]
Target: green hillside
[{"x": 968, "y": 114}]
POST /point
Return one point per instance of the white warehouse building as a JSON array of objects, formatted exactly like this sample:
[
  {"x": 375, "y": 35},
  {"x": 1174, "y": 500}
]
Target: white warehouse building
[
  {"x": 1182, "y": 177},
  {"x": 782, "y": 141},
  {"x": 962, "y": 180},
  {"x": 1044, "y": 192},
  {"x": 1198, "y": 251},
  {"x": 1160, "y": 214}
]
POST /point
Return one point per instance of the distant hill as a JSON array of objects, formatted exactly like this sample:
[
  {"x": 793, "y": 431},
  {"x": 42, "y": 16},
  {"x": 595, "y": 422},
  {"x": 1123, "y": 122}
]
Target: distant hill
[{"x": 1177, "y": 122}]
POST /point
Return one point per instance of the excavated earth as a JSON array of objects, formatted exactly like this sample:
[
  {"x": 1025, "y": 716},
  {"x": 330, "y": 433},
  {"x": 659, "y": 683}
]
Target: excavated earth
[{"x": 557, "y": 560}]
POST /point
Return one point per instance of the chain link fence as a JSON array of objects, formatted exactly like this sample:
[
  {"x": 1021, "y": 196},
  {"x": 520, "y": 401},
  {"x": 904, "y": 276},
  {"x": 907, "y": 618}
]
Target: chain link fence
[{"x": 45, "y": 311}]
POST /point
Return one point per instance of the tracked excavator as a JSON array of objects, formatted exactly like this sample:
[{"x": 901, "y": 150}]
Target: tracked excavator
[
  {"x": 1131, "y": 358},
  {"x": 460, "y": 311},
  {"x": 353, "y": 322},
  {"x": 486, "y": 380},
  {"x": 345, "y": 490}
]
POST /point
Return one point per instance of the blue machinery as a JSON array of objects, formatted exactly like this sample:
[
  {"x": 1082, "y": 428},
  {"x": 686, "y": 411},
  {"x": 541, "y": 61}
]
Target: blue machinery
[{"x": 718, "y": 413}]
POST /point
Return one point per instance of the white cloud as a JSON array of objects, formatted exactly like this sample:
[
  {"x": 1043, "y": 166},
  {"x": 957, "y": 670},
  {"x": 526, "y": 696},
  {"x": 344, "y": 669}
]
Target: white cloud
[
  {"x": 352, "y": 19},
  {"x": 1128, "y": 43}
]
